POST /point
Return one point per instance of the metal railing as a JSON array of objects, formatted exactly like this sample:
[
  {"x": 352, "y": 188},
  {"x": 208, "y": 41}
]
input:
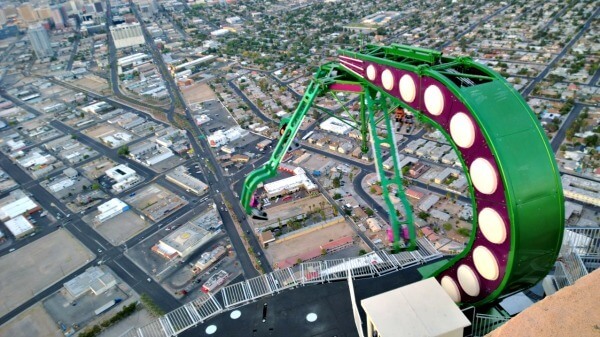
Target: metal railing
[
  {"x": 484, "y": 324},
  {"x": 312, "y": 272}
]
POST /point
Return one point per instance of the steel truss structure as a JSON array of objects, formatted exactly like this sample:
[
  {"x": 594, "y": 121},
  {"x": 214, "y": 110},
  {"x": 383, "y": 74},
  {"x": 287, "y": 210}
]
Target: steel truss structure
[{"x": 514, "y": 182}]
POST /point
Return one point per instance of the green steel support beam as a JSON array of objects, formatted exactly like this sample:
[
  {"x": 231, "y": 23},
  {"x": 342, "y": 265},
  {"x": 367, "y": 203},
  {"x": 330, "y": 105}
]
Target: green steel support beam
[{"x": 374, "y": 105}]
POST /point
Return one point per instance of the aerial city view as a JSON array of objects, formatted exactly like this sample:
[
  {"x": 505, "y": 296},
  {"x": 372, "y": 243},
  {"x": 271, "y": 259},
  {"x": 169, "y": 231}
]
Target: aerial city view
[{"x": 299, "y": 168}]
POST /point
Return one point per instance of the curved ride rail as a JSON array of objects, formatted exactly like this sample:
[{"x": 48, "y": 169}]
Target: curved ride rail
[{"x": 518, "y": 206}]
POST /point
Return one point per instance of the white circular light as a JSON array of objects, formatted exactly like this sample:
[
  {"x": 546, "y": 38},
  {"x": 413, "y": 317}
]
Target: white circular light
[
  {"x": 484, "y": 176},
  {"x": 434, "y": 100},
  {"x": 486, "y": 263},
  {"x": 468, "y": 280},
  {"x": 408, "y": 90},
  {"x": 462, "y": 130},
  {"x": 235, "y": 314},
  {"x": 451, "y": 288},
  {"x": 211, "y": 329},
  {"x": 371, "y": 72},
  {"x": 311, "y": 317},
  {"x": 387, "y": 79},
  {"x": 492, "y": 226}
]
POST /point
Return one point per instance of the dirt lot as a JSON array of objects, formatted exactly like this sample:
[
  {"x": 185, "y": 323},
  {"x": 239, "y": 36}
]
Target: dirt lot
[
  {"x": 280, "y": 251},
  {"x": 155, "y": 201},
  {"x": 103, "y": 130},
  {"x": 290, "y": 209},
  {"x": 33, "y": 322},
  {"x": 97, "y": 167},
  {"x": 93, "y": 83},
  {"x": 36, "y": 266},
  {"x": 198, "y": 92},
  {"x": 122, "y": 227}
]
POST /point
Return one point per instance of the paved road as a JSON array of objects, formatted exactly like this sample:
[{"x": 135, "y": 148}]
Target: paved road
[
  {"x": 560, "y": 135},
  {"x": 87, "y": 236},
  {"x": 251, "y": 104},
  {"x": 220, "y": 190}
]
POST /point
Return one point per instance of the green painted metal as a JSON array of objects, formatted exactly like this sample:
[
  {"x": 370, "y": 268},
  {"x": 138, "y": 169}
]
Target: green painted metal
[
  {"x": 375, "y": 105},
  {"x": 532, "y": 189},
  {"x": 269, "y": 170}
]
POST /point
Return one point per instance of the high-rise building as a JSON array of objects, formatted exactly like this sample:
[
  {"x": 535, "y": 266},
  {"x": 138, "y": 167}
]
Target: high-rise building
[
  {"x": 127, "y": 35},
  {"x": 26, "y": 12},
  {"x": 2, "y": 17},
  {"x": 44, "y": 13},
  {"x": 40, "y": 41},
  {"x": 58, "y": 19}
]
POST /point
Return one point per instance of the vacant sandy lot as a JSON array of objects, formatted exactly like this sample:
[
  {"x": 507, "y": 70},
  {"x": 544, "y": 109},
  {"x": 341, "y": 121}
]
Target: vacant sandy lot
[
  {"x": 313, "y": 240},
  {"x": 38, "y": 265},
  {"x": 104, "y": 130},
  {"x": 198, "y": 92},
  {"x": 33, "y": 322},
  {"x": 97, "y": 167},
  {"x": 93, "y": 83},
  {"x": 122, "y": 227}
]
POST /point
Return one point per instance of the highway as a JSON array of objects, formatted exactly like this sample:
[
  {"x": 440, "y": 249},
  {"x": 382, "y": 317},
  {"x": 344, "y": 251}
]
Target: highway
[{"x": 220, "y": 190}]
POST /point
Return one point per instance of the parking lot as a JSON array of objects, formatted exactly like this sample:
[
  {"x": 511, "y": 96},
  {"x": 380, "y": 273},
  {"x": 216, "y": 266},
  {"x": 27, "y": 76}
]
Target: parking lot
[{"x": 122, "y": 227}]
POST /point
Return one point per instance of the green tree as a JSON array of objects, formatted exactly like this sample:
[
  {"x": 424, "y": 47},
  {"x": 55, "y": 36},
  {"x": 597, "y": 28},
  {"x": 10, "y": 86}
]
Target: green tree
[
  {"x": 123, "y": 151},
  {"x": 369, "y": 211},
  {"x": 447, "y": 226},
  {"x": 150, "y": 305},
  {"x": 591, "y": 140},
  {"x": 336, "y": 182},
  {"x": 423, "y": 215},
  {"x": 337, "y": 196}
]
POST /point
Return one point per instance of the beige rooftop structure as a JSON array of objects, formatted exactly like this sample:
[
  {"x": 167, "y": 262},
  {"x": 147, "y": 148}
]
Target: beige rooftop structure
[
  {"x": 572, "y": 311},
  {"x": 418, "y": 309}
]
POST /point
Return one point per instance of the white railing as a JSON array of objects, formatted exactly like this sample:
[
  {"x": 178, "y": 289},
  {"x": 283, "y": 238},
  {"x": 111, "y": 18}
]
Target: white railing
[{"x": 312, "y": 272}]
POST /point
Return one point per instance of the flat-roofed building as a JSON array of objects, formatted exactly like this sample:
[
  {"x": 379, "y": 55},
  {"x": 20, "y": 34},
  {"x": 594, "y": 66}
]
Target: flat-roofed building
[
  {"x": 127, "y": 35},
  {"x": 428, "y": 202},
  {"x": 289, "y": 185},
  {"x": 179, "y": 176},
  {"x": 94, "y": 279},
  {"x": 19, "y": 206},
  {"x": 110, "y": 209},
  {"x": 184, "y": 241},
  {"x": 19, "y": 226}
]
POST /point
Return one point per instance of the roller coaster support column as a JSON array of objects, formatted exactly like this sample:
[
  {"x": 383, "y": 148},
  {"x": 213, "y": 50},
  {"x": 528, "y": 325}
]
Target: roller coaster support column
[{"x": 375, "y": 104}]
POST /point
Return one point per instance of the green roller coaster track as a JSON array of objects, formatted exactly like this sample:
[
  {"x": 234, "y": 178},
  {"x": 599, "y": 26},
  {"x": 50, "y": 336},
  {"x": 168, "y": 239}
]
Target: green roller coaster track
[{"x": 518, "y": 206}]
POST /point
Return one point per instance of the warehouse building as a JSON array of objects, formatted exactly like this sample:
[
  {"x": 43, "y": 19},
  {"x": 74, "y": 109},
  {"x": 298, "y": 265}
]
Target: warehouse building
[
  {"x": 289, "y": 185},
  {"x": 580, "y": 189},
  {"x": 179, "y": 176},
  {"x": 19, "y": 226},
  {"x": 21, "y": 205},
  {"x": 110, "y": 209},
  {"x": 93, "y": 279},
  {"x": 334, "y": 125}
]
